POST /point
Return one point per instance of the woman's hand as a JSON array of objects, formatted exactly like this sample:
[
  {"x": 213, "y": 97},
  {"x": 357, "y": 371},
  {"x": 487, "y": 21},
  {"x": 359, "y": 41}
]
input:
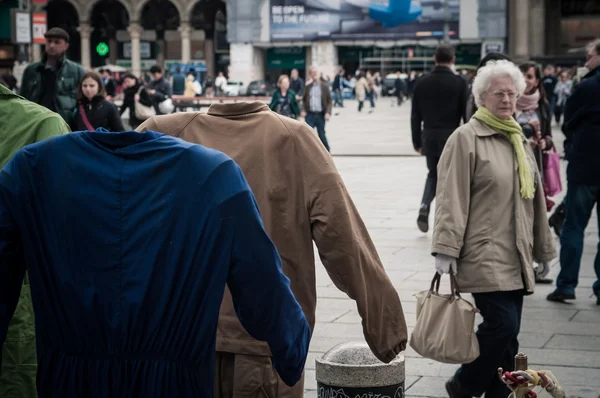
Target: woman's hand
[
  {"x": 533, "y": 142},
  {"x": 444, "y": 264},
  {"x": 535, "y": 124},
  {"x": 137, "y": 97}
]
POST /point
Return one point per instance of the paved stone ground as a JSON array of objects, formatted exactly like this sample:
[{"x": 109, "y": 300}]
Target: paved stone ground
[{"x": 564, "y": 338}]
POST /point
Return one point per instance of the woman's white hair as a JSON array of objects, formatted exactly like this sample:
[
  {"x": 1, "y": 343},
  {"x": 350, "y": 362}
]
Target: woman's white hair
[{"x": 500, "y": 68}]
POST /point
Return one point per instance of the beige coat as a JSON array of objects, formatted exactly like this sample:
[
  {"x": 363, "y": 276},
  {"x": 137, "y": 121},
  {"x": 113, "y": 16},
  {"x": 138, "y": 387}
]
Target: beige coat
[
  {"x": 301, "y": 198},
  {"x": 361, "y": 89},
  {"x": 480, "y": 217}
]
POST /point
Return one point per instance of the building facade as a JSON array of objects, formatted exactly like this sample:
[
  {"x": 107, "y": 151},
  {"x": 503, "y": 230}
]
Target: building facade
[{"x": 260, "y": 39}]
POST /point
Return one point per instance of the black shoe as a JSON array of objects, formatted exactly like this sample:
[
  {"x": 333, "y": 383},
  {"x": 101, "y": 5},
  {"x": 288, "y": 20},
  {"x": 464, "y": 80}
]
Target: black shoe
[
  {"x": 560, "y": 297},
  {"x": 423, "y": 219},
  {"x": 544, "y": 281},
  {"x": 454, "y": 390}
]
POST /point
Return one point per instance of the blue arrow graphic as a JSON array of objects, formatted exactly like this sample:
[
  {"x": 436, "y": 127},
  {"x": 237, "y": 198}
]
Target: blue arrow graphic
[{"x": 397, "y": 12}]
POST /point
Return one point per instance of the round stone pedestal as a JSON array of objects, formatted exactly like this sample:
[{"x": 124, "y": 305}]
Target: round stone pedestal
[{"x": 350, "y": 370}]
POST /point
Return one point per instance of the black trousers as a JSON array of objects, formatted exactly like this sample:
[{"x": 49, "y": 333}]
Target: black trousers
[
  {"x": 431, "y": 181},
  {"x": 498, "y": 344}
]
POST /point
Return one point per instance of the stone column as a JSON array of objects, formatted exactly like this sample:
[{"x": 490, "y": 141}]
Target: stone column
[
  {"x": 36, "y": 52},
  {"x": 537, "y": 27},
  {"x": 85, "y": 31},
  {"x": 135, "y": 31},
  {"x": 185, "y": 31},
  {"x": 242, "y": 65},
  {"x": 209, "y": 57},
  {"x": 324, "y": 55},
  {"x": 520, "y": 28}
]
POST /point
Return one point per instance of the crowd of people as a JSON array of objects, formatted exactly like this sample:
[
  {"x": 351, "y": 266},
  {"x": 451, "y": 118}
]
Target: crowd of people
[{"x": 123, "y": 242}]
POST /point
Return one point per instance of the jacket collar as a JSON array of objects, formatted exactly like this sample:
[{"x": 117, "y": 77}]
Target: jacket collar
[
  {"x": 483, "y": 130},
  {"x": 592, "y": 73},
  {"x": 4, "y": 91},
  {"x": 237, "y": 109},
  {"x": 441, "y": 69},
  {"x": 59, "y": 64}
]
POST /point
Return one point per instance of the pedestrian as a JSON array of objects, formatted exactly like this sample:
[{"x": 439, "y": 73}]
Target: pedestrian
[
  {"x": 549, "y": 81},
  {"x": 533, "y": 115},
  {"x": 128, "y": 272},
  {"x": 10, "y": 80},
  {"x": 209, "y": 86},
  {"x": 53, "y": 82},
  {"x": 439, "y": 103},
  {"x": 491, "y": 224},
  {"x": 371, "y": 90},
  {"x": 159, "y": 88},
  {"x": 284, "y": 100},
  {"x": 361, "y": 89},
  {"x": 471, "y": 106},
  {"x": 302, "y": 198},
  {"x": 412, "y": 79},
  {"x": 110, "y": 85},
  {"x": 94, "y": 111},
  {"x": 317, "y": 104},
  {"x": 399, "y": 88},
  {"x": 220, "y": 84},
  {"x": 297, "y": 84},
  {"x": 581, "y": 121},
  {"x": 562, "y": 91},
  {"x": 338, "y": 88},
  {"x": 133, "y": 91},
  {"x": 22, "y": 122},
  {"x": 192, "y": 87},
  {"x": 178, "y": 82}
]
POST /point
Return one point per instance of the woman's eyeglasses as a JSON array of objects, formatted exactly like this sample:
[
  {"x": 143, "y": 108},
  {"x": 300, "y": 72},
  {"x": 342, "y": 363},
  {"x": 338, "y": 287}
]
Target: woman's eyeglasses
[{"x": 501, "y": 94}]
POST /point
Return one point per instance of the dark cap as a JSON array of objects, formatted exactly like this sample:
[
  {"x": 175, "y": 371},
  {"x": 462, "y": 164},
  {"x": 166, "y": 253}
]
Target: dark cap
[{"x": 57, "y": 33}]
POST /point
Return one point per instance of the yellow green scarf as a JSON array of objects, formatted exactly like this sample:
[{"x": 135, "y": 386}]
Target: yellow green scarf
[{"x": 513, "y": 131}]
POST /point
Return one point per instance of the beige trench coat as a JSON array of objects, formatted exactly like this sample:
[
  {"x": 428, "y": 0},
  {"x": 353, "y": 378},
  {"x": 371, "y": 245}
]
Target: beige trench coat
[
  {"x": 361, "y": 89},
  {"x": 480, "y": 217}
]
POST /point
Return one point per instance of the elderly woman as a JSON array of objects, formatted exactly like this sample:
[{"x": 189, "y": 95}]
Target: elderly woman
[{"x": 491, "y": 224}]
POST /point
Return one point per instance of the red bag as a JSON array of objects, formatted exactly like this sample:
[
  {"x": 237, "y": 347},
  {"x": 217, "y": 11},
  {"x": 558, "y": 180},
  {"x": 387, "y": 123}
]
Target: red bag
[
  {"x": 87, "y": 123},
  {"x": 552, "y": 183}
]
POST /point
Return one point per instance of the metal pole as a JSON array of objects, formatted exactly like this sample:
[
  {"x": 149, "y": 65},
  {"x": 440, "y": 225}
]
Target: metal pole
[{"x": 446, "y": 22}]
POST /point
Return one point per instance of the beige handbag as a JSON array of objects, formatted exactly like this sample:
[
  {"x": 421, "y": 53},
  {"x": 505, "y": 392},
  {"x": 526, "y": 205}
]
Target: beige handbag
[
  {"x": 445, "y": 329},
  {"x": 143, "y": 112}
]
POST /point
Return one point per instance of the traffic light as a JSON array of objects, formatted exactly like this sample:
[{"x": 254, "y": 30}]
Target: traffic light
[{"x": 102, "y": 49}]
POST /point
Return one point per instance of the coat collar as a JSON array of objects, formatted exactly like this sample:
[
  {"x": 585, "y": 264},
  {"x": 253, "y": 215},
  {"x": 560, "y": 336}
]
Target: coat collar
[
  {"x": 483, "y": 130},
  {"x": 442, "y": 69},
  {"x": 237, "y": 109}
]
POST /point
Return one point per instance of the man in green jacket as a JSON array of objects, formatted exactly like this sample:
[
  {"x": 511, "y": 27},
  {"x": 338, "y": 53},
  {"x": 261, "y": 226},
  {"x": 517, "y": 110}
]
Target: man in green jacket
[
  {"x": 21, "y": 123},
  {"x": 53, "y": 83}
]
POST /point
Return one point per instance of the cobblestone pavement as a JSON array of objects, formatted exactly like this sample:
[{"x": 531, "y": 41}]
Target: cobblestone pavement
[{"x": 564, "y": 338}]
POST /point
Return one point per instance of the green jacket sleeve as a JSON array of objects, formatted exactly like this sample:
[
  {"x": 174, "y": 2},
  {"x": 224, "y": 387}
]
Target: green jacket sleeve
[{"x": 51, "y": 126}]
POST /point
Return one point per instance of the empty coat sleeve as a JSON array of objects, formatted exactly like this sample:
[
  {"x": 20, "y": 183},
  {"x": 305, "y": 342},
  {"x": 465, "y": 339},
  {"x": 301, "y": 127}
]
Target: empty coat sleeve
[
  {"x": 261, "y": 293},
  {"x": 12, "y": 262},
  {"x": 455, "y": 171},
  {"x": 348, "y": 254}
]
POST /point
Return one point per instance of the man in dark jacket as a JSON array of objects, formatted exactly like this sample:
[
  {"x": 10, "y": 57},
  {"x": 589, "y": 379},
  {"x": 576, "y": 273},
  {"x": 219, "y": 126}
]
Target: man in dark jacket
[
  {"x": 54, "y": 81},
  {"x": 582, "y": 129},
  {"x": 159, "y": 88},
  {"x": 439, "y": 103},
  {"x": 317, "y": 104},
  {"x": 296, "y": 84},
  {"x": 178, "y": 82},
  {"x": 338, "y": 87},
  {"x": 110, "y": 85}
]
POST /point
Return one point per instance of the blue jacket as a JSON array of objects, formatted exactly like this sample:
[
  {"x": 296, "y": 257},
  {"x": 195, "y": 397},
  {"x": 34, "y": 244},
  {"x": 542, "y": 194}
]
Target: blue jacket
[
  {"x": 129, "y": 240},
  {"x": 582, "y": 129}
]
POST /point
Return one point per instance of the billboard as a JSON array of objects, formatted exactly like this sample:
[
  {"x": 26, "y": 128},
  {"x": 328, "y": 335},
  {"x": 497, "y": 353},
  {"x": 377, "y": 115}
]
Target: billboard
[{"x": 362, "y": 19}]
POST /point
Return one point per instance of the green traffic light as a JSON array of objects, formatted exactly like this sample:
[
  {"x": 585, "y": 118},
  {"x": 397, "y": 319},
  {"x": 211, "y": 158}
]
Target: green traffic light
[{"x": 102, "y": 49}]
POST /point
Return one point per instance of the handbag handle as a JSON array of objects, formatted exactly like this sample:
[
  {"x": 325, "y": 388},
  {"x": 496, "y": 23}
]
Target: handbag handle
[{"x": 435, "y": 285}]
